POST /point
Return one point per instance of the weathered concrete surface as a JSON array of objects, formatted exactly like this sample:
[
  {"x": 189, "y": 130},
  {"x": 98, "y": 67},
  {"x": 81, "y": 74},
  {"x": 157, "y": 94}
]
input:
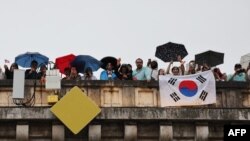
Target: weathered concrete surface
[
  {"x": 166, "y": 133},
  {"x": 123, "y": 93},
  {"x": 58, "y": 132},
  {"x": 129, "y": 108},
  {"x": 22, "y": 132},
  {"x": 95, "y": 133},
  {"x": 175, "y": 113},
  {"x": 130, "y": 132},
  {"x": 44, "y": 113},
  {"x": 7, "y": 113},
  {"x": 127, "y": 83}
]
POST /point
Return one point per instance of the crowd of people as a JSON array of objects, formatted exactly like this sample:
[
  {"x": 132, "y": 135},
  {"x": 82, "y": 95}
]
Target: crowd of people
[{"x": 119, "y": 71}]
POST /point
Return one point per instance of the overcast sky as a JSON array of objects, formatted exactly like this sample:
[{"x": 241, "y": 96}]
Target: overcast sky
[{"x": 124, "y": 28}]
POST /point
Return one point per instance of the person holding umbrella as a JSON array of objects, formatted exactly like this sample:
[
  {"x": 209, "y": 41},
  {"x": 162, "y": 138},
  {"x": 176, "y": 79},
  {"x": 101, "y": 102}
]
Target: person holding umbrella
[
  {"x": 191, "y": 68},
  {"x": 205, "y": 67},
  {"x": 88, "y": 74},
  {"x": 9, "y": 72},
  {"x": 67, "y": 73},
  {"x": 154, "y": 67},
  {"x": 110, "y": 65},
  {"x": 31, "y": 73},
  {"x": 42, "y": 73},
  {"x": 74, "y": 74},
  {"x": 108, "y": 74},
  {"x": 176, "y": 70}
]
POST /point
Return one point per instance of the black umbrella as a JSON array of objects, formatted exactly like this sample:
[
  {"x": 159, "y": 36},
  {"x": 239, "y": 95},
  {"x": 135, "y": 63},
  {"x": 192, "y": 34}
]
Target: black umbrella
[
  {"x": 108, "y": 59},
  {"x": 211, "y": 58},
  {"x": 168, "y": 52}
]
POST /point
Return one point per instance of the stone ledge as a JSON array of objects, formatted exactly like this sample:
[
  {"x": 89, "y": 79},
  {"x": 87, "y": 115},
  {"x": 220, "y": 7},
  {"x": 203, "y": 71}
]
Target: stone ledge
[
  {"x": 118, "y": 83},
  {"x": 187, "y": 114},
  {"x": 175, "y": 113}
]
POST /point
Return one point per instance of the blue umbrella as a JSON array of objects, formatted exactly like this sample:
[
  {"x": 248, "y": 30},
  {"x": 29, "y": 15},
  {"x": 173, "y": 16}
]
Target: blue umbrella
[
  {"x": 82, "y": 62},
  {"x": 24, "y": 60}
]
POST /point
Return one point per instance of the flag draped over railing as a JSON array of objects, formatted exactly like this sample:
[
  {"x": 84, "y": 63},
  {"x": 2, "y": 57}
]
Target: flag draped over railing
[{"x": 196, "y": 89}]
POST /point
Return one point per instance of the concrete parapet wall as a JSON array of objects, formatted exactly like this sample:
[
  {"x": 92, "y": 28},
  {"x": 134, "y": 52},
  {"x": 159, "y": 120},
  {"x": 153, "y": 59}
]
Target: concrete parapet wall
[
  {"x": 146, "y": 113},
  {"x": 124, "y": 93},
  {"x": 130, "y": 111}
]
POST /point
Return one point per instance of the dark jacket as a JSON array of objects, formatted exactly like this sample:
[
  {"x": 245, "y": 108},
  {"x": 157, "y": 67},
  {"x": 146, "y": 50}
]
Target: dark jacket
[
  {"x": 32, "y": 75},
  {"x": 9, "y": 74}
]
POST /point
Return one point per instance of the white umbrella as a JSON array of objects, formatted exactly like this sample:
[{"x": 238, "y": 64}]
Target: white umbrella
[{"x": 244, "y": 60}]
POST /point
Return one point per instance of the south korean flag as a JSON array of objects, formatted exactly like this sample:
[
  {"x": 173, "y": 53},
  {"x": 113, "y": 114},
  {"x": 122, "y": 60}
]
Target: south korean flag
[{"x": 196, "y": 89}]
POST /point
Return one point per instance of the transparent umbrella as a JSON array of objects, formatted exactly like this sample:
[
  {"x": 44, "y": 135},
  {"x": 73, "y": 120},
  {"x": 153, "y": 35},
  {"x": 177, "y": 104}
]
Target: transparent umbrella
[{"x": 244, "y": 60}]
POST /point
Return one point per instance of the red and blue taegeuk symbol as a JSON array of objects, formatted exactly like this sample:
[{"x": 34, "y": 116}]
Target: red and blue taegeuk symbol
[{"x": 188, "y": 88}]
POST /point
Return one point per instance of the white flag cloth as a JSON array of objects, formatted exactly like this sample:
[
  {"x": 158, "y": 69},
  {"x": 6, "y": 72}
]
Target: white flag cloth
[{"x": 196, "y": 89}]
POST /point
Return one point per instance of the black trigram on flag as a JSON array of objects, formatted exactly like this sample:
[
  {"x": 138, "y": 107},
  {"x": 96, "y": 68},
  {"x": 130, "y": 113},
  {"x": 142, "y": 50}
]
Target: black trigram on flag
[
  {"x": 172, "y": 81},
  {"x": 203, "y": 95},
  {"x": 175, "y": 97},
  {"x": 201, "y": 79}
]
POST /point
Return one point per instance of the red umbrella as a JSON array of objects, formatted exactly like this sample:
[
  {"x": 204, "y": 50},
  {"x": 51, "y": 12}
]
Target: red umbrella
[{"x": 64, "y": 61}]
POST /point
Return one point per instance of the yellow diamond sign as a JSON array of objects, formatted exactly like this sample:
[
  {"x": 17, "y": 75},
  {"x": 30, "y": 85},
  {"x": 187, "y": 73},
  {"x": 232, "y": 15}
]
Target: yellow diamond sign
[{"x": 75, "y": 110}]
